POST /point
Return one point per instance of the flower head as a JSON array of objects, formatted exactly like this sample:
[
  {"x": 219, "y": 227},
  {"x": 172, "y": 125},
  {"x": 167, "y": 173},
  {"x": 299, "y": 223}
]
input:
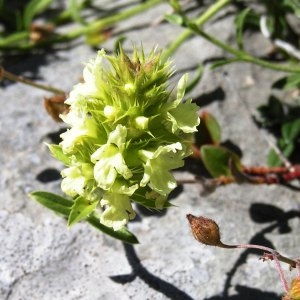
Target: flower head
[{"x": 126, "y": 134}]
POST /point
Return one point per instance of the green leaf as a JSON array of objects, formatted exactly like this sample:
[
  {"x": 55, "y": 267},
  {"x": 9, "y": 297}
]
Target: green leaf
[
  {"x": 223, "y": 62},
  {"x": 118, "y": 44},
  {"x": 294, "y": 5},
  {"x": 80, "y": 210},
  {"x": 288, "y": 82},
  {"x": 212, "y": 126},
  {"x": 293, "y": 81},
  {"x": 122, "y": 234},
  {"x": 63, "y": 206},
  {"x": 240, "y": 24},
  {"x": 290, "y": 130},
  {"x": 273, "y": 159},
  {"x": 54, "y": 202},
  {"x": 57, "y": 152},
  {"x": 176, "y": 19},
  {"x": 33, "y": 8},
  {"x": 139, "y": 197},
  {"x": 192, "y": 83},
  {"x": 286, "y": 148},
  {"x": 216, "y": 160},
  {"x": 75, "y": 9},
  {"x": 209, "y": 130},
  {"x": 236, "y": 169},
  {"x": 181, "y": 87}
]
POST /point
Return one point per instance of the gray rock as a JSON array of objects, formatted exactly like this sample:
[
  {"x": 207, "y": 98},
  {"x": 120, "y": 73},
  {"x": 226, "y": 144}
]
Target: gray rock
[{"x": 42, "y": 259}]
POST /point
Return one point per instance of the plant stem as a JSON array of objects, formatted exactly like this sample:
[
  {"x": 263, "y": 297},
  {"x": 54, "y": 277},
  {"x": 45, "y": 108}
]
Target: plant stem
[
  {"x": 275, "y": 255},
  {"x": 208, "y": 14},
  {"x": 280, "y": 271},
  {"x": 110, "y": 20},
  {"x": 92, "y": 27},
  {"x": 12, "y": 77},
  {"x": 243, "y": 56},
  {"x": 293, "y": 263}
]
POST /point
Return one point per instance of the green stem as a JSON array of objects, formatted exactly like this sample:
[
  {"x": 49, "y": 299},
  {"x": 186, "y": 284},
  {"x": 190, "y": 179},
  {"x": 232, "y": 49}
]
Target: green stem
[
  {"x": 243, "y": 56},
  {"x": 13, "y": 39},
  {"x": 93, "y": 27},
  {"x": 208, "y": 14},
  {"x": 66, "y": 15}
]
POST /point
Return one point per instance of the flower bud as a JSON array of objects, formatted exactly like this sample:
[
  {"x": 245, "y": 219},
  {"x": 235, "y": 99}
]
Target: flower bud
[{"x": 205, "y": 231}]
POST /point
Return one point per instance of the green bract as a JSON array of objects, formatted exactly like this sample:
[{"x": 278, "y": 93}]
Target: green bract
[{"x": 126, "y": 134}]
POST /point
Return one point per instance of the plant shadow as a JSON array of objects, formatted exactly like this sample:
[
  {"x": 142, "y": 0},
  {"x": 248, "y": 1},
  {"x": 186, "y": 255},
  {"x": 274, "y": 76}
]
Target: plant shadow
[
  {"x": 261, "y": 213},
  {"x": 154, "y": 282}
]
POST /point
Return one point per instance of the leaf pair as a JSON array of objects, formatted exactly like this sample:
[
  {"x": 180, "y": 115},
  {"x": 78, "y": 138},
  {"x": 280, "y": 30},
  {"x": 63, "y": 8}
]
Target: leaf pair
[{"x": 78, "y": 210}]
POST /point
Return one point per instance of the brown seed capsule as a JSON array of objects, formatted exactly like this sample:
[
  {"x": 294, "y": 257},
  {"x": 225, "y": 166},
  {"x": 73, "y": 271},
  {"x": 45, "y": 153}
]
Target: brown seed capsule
[
  {"x": 55, "y": 106},
  {"x": 40, "y": 32},
  {"x": 205, "y": 231}
]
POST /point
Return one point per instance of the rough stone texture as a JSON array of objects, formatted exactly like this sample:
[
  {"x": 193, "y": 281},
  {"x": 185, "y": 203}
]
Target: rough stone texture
[{"x": 42, "y": 259}]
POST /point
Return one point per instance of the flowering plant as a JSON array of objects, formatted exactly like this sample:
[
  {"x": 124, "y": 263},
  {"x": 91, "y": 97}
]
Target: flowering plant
[{"x": 127, "y": 132}]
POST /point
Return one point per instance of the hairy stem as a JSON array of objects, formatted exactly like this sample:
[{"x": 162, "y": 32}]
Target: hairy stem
[
  {"x": 277, "y": 257},
  {"x": 293, "y": 263},
  {"x": 13, "y": 77}
]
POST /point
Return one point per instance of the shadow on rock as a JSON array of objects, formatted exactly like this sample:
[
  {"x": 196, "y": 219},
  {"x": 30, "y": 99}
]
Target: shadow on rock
[
  {"x": 218, "y": 94},
  {"x": 258, "y": 239},
  {"x": 246, "y": 293},
  {"x": 48, "y": 175},
  {"x": 154, "y": 282}
]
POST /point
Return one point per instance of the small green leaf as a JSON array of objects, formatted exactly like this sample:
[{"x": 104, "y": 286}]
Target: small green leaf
[
  {"x": 273, "y": 159},
  {"x": 176, "y": 19},
  {"x": 240, "y": 25},
  {"x": 212, "y": 127},
  {"x": 223, "y": 62},
  {"x": 293, "y": 5},
  {"x": 75, "y": 9},
  {"x": 54, "y": 202},
  {"x": 57, "y": 152},
  {"x": 181, "y": 87},
  {"x": 216, "y": 160},
  {"x": 288, "y": 82},
  {"x": 33, "y": 8},
  {"x": 80, "y": 210},
  {"x": 293, "y": 81},
  {"x": 209, "y": 130},
  {"x": 290, "y": 130},
  {"x": 139, "y": 197},
  {"x": 122, "y": 234},
  {"x": 118, "y": 45},
  {"x": 286, "y": 149},
  {"x": 192, "y": 83},
  {"x": 237, "y": 172}
]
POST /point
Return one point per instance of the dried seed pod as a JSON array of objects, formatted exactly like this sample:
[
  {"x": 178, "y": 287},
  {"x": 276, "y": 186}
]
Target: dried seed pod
[
  {"x": 40, "y": 32},
  {"x": 55, "y": 106},
  {"x": 205, "y": 231}
]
